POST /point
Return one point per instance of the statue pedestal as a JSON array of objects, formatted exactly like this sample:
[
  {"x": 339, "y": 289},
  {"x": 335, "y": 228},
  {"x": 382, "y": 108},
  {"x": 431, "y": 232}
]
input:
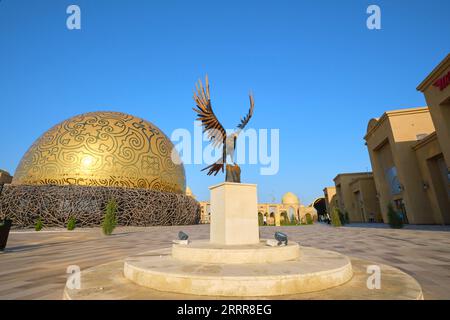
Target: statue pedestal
[
  {"x": 234, "y": 214},
  {"x": 235, "y": 263}
]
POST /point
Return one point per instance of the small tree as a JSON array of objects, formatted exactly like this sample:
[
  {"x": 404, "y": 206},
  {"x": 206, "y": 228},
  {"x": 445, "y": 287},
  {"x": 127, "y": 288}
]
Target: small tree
[
  {"x": 110, "y": 220},
  {"x": 260, "y": 219},
  {"x": 38, "y": 225},
  {"x": 309, "y": 219},
  {"x": 394, "y": 218},
  {"x": 71, "y": 224},
  {"x": 285, "y": 222},
  {"x": 336, "y": 217}
]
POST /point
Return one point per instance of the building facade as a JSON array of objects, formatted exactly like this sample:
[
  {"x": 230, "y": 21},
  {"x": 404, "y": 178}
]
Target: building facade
[
  {"x": 290, "y": 209},
  {"x": 5, "y": 177},
  {"x": 409, "y": 151},
  {"x": 435, "y": 177},
  {"x": 436, "y": 89},
  {"x": 331, "y": 200},
  {"x": 356, "y": 196},
  {"x": 409, "y": 165},
  {"x": 433, "y": 152},
  {"x": 365, "y": 206},
  {"x": 205, "y": 212}
]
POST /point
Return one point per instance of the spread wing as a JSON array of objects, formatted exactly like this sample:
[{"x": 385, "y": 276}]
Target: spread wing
[
  {"x": 214, "y": 130},
  {"x": 249, "y": 115}
]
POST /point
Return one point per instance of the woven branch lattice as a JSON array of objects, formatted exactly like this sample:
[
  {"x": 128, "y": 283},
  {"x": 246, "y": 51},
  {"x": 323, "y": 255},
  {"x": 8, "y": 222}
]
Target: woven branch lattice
[{"x": 24, "y": 204}]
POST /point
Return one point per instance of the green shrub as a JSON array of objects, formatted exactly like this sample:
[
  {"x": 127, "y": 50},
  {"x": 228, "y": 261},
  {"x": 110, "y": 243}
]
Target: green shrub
[
  {"x": 260, "y": 219},
  {"x": 394, "y": 218},
  {"x": 38, "y": 225},
  {"x": 309, "y": 219},
  {"x": 285, "y": 222},
  {"x": 288, "y": 222},
  {"x": 336, "y": 217},
  {"x": 346, "y": 218},
  {"x": 110, "y": 220},
  {"x": 71, "y": 223}
]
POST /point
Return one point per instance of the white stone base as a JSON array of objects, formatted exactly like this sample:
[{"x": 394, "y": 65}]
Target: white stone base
[
  {"x": 106, "y": 282},
  {"x": 181, "y": 242},
  {"x": 316, "y": 270},
  {"x": 234, "y": 214}
]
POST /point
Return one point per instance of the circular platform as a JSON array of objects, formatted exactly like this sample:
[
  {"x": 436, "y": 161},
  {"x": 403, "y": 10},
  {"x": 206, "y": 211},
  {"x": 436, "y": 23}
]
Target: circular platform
[
  {"x": 316, "y": 270},
  {"x": 106, "y": 281},
  {"x": 206, "y": 252}
]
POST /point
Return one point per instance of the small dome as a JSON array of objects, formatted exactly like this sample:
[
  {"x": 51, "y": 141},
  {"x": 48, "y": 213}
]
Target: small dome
[
  {"x": 189, "y": 192},
  {"x": 290, "y": 198},
  {"x": 5, "y": 177},
  {"x": 4, "y": 172}
]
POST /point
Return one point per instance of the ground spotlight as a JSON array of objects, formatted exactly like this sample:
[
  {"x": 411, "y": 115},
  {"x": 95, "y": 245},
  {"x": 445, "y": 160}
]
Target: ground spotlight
[
  {"x": 282, "y": 238},
  {"x": 182, "y": 235}
]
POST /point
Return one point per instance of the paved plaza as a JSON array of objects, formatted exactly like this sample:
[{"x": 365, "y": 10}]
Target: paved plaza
[{"x": 34, "y": 264}]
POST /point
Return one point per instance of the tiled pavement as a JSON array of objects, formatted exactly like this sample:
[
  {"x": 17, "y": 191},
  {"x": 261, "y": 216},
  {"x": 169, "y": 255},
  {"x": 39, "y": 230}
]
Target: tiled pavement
[{"x": 34, "y": 265}]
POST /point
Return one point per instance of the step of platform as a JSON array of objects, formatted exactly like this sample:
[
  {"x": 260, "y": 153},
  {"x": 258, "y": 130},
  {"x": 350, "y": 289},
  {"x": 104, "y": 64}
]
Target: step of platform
[{"x": 316, "y": 270}]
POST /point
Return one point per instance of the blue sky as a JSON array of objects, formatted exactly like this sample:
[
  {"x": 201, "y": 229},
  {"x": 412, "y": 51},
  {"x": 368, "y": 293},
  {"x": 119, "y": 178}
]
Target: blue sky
[{"x": 317, "y": 72}]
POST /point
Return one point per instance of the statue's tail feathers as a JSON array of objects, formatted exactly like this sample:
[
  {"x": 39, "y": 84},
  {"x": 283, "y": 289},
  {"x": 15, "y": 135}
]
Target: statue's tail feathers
[{"x": 215, "y": 167}]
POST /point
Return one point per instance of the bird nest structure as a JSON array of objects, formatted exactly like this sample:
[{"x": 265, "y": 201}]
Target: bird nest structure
[{"x": 56, "y": 204}]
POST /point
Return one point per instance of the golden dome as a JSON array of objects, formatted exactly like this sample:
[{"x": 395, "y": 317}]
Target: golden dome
[
  {"x": 103, "y": 149},
  {"x": 290, "y": 198}
]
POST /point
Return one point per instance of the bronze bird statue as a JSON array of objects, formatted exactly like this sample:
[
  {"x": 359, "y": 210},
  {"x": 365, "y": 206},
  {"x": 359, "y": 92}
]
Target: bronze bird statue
[{"x": 214, "y": 130}]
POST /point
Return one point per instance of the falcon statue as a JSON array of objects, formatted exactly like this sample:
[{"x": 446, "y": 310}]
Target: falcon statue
[{"x": 214, "y": 130}]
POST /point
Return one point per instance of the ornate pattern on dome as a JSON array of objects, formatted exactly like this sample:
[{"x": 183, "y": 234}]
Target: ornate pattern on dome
[{"x": 102, "y": 149}]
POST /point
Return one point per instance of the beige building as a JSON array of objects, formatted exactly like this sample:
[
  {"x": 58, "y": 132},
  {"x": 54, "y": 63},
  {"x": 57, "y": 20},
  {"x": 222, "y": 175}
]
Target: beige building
[
  {"x": 433, "y": 152},
  {"x": 435, "y": 177},
  {"x": 408, "y": 165},
  {"x": 290, "y": 208},
  {"x": 436, "y": 88},
  {"x": 410, "y": 154},
  {"x": 205, "y": 212},
  {"x": 331, "y": 200},
  {"x": 205, "y": 208},
  {"x": 356, "y": 195},
  {"x": 5, "y": 177},
  {"x": 364, "y": 206}
]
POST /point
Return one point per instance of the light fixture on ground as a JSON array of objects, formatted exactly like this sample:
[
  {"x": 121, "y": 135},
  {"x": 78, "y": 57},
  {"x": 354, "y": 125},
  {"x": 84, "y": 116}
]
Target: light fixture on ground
[
  {"x": 282, "y": 238},
  {"x": 182, "y": 235}
]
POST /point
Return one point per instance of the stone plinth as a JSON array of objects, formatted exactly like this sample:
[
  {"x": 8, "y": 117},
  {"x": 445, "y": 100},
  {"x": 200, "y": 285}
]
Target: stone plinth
[
  {"x": 234, "y": 214},
  {"x": 315, "y": 270},
  {"x": 107, "y": 281},
  {"x": 206, "y": 252}
]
